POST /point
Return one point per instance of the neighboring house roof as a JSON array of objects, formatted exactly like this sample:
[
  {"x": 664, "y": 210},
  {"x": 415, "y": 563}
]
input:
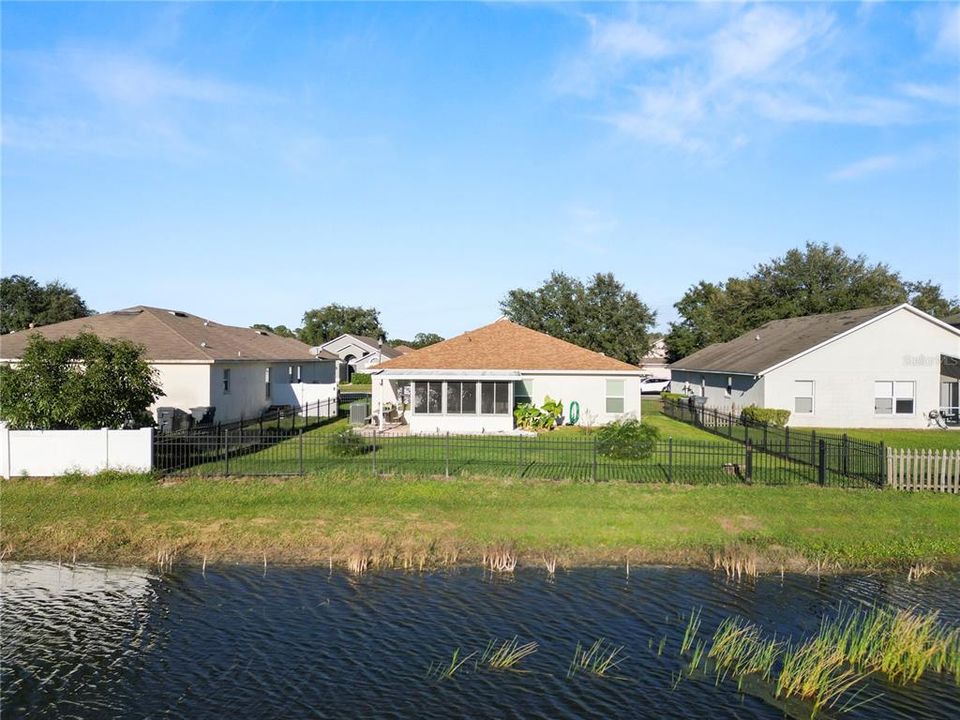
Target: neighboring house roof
[
  {"x": 372, "y": 343},
  {"x": 173, "y": 336},
  {"x": 403, "y": 349},
  {"x": 953, "y": 320},
  {"x": 504, "y": 345},
  {"x": 777, "y": 341}
]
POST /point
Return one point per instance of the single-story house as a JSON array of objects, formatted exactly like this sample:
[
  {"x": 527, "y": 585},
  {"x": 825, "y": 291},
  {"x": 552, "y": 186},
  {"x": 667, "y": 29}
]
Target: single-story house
[
  {"x": 239, "y": 372},
  {"x": 358, "y": 353},
  {"x": 880, "y": 367},
  {"x": 472, "y": 383}
]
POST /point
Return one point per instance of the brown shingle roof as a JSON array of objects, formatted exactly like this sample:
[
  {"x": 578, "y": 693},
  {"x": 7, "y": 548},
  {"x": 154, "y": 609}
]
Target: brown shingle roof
[
  {"x": 504, "y": 345},
  {"x": 403, "y": 349},
  {"x": 172, "y": 336},
  {"x": 779, "y": 340}
]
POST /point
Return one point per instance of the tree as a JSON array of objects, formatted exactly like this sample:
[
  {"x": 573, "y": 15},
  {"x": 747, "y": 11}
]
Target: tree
[
  {"x": 80, "y": 382},
  {"x": 601, "y": 315},
  {"x": 420, "y": 340},
  {"x": 813, "y": 280},
  {"x": 24, "y": 301},
  {"x": 330, "y": 321},
  {"x": 281, "y": 330}
]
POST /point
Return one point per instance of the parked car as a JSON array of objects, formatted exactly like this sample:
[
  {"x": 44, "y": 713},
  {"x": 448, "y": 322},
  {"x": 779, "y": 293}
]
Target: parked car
[{"x": 652, "y": 385}]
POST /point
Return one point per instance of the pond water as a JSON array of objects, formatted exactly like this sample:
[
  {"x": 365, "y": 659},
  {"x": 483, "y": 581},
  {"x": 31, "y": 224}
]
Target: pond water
[{"x": 239, "y": 642}]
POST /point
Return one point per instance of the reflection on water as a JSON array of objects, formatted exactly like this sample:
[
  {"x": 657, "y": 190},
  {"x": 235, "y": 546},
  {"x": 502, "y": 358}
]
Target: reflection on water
[{"x": 92, "y": 642}]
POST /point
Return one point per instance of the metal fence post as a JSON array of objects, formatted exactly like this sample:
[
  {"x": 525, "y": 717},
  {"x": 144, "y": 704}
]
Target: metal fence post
[
  {"x": 226, "y": 452},
  {"x": 882, "y": 471},
  {"x": 786, "y": 441},
  {"x": 748, "y": 460},
  {"x": 373, "y": 454},
  {"x": 594, "y": 467},
  {"x": 300, "y": 458},
  {"x": 845, "y": 457},
  {"x": 822, "y": 464},
  {"x": 670, "y": 460},
  {"x": 446, "y": 456},
  {"x": 765, "y": 445}
]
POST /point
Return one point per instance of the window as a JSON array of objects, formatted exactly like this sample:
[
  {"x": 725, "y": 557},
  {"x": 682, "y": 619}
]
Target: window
[
  {"x": 461, "y": 398},
  {"x": 729, "y": 391},
  {"x": 290, "y": 375},
  {"x": 226, "y": 381},
  {"x": 893, "y": 397},
  {"x": 428, "y": 397},
  {"x": 615, "y": 396},
  {"x": 266, "y": 383},
  {"x": 299, "y": 373},
  {"x": 523, "y": 392},
  {"x": 495, "y": 398},
  {"x": 803, "y": 397}
]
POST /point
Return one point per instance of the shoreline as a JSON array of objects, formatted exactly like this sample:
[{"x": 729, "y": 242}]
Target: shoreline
[{"x": 364, "y": 523}]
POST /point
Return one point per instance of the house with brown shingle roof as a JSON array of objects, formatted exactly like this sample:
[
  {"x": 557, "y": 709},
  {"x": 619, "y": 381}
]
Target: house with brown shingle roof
[
  {"x": 236, "y": 371},
  {"x": 880, "y": 367},
  {"x": 472, "y": 383}
]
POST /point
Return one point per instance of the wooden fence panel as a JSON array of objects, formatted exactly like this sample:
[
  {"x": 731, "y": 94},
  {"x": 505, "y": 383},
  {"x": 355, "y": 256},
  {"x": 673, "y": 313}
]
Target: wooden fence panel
[{"x": 932, "y": 470}]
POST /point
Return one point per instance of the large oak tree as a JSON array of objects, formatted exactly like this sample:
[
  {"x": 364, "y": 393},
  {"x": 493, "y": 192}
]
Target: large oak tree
[
  {"x": 330, "y": 321},
  {"x": 805, "y": 281},
  {"x": 24, "y": 301},
  {"x": 601, "y": 314}
]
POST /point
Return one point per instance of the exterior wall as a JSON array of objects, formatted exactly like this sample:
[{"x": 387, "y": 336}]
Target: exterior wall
[
  {"x": 587, "y": 390},
  {"x": 247, "y": 395},
  {"x": 184, "y": 386},
  {"x": 364, "y": 364},
  {"x": 901, "y": 347},
  {"x": 745, "y": 391},
  {"x": 45, "y": 453}
]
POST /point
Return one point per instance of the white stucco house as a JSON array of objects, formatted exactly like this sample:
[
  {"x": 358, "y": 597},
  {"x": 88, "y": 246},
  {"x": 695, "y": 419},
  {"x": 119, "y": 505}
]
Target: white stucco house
[
  {"x": 881, "y": 367},
  {"x": 239, "y": 372},
  {"x": 472, "y": 383},
  {"x": 654, "y": 363},
  {"x": 358, "y": 353}
]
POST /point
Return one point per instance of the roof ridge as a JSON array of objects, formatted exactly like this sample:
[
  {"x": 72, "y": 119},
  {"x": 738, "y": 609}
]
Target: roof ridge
[{"x": 164, "y": 321}]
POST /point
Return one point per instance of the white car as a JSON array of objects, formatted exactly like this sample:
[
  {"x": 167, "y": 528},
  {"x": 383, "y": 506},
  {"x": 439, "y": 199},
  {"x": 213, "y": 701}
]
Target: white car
[{"x": 652, "y": 385}]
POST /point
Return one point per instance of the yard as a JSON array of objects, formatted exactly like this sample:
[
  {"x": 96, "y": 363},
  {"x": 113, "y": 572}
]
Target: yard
[{"x": 316, "y": 519}]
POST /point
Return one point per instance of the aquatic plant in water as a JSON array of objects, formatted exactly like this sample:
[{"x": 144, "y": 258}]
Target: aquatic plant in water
[
  {"x": 506, "y": 655},
  {"x": 446, "y": 670},
  {"x": 600, "y": 659}
]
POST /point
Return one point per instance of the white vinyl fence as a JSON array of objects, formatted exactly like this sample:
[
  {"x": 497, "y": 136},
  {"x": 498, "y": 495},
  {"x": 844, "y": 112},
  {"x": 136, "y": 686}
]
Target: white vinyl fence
[
  {"x": 46, "y": 453},
  {"x": 937, "y": 470}
]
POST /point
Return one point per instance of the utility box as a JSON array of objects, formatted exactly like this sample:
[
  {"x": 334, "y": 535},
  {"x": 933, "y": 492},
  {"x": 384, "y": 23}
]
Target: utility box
[{"x": 359, "y": 412}]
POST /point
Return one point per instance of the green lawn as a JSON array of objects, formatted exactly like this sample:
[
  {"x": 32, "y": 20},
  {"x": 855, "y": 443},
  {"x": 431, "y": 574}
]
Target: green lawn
[
  {"x": 118, "y": 518},
  {"x": 350, "y": 388},
  {"x": 932, "y": 439}
]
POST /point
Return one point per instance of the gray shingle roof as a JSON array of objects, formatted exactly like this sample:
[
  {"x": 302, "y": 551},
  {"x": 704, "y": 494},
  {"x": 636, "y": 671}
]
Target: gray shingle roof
[
  {"x": 779, "y": 340},
  {"x": 171, "y": 335}
]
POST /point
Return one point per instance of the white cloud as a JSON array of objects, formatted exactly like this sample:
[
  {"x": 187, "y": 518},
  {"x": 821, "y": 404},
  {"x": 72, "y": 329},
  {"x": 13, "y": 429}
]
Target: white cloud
[
  {"x": 704, "y": 79},
  {"x": 626, "y": 39},
  {"x": 948, "y": 36},
  {"x": 948, "y": 94},
  {"x": 763, "y": 38},
  {"x": 867, "y": 166}
]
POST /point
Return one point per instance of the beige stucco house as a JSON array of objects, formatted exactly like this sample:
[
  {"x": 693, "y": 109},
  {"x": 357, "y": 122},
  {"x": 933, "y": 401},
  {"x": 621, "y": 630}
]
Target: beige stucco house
[
  {"x": 239, "y": 372},
  {"x": 358, "y": 353},
  {"x": 472, "y": 383},
  {"x": 880, "y": 367}
]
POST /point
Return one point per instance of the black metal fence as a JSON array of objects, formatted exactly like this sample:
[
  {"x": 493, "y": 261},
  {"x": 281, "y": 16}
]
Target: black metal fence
[
  {"x": 280, "y": 452},
  {"x": 831, "y": 454},
  {"x": 202, "y": 444}
]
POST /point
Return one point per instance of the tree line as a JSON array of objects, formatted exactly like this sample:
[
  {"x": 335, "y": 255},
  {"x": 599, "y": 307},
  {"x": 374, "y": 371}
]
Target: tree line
[{"x": 600, "y": 313}]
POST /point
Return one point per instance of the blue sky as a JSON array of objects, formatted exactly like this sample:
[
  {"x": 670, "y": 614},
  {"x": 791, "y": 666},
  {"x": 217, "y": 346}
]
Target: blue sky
[{"x": 247, "y": 162}]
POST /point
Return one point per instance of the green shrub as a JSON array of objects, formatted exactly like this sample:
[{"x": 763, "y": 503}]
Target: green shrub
[
  {"x": 768, "y": 416},
  {"x": 347, "y": 443},
  {"x": 627, "y": 440},
  {"x": 672, "y": 395},
  {"x": 360, "y": 379},
  {"x": 530, "y": 417}
]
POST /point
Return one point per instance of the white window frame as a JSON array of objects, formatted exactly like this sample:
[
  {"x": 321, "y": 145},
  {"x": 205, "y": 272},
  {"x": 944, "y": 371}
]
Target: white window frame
[
  {"x": 426, "y": 385},
  {"x": 267, "y": 380},
  {"x": 608, "y": 396},
  {"x": 812, "y": 396},
  {"x": 728, "y": 390},
  {"x": 461, "y": 383},
  {"x": 526, "y": 383},
  {"x": 495, "y": 383},
  {"x": 225, "y": 380},
  {"x": 894, "y": 397}
]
